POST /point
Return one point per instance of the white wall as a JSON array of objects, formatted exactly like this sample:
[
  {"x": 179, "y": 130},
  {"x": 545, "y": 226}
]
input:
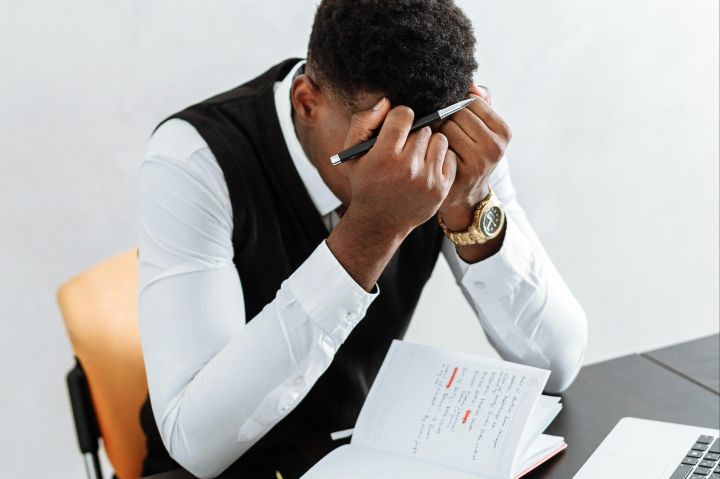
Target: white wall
[{"x": 613, "y": 106}]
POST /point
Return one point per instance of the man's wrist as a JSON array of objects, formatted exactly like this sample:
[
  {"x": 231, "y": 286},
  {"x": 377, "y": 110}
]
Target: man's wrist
[
  {"x": 457, "y": 219},
  {"x": 343, "y": 293},
  {"x": 474, "y": 253},
  {"x": 363, "y": 246},
  {"x": 373, "y": 229},
  {"x": 460, "y": 219}
]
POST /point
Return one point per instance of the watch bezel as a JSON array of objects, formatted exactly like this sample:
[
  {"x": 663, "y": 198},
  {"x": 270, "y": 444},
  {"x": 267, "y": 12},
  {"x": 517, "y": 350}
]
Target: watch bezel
[{"x": 483, "y": 213}]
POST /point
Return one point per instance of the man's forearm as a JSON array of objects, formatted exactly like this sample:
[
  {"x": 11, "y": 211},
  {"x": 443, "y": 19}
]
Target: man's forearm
[
  {"x": 211, "y": 405},
  {"x": 526, "y": 309},
  {"x": 363, "y": 247}
]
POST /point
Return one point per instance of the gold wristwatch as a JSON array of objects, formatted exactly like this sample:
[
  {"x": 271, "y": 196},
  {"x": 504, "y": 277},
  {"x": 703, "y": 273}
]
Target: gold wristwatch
[{"x": 488, "y": 221}]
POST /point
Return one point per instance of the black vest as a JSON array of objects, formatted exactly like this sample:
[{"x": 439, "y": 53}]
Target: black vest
[{"x": 276, "y": 228}]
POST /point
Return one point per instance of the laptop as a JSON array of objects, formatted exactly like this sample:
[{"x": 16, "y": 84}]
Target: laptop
[{"x": 655, "y": 450}]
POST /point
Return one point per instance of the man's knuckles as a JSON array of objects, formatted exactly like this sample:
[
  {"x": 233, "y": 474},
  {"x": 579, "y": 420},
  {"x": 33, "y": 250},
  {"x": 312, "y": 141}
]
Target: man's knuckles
[
  {"x": 507, "y": 132},
  {"x": 439, "y": 142},
  {"x": 401, "y": 114}
]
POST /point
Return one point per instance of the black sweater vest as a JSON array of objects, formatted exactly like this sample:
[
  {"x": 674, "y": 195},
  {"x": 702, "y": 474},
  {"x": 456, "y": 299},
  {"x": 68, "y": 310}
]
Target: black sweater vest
[{"x": 276, "y": 228}]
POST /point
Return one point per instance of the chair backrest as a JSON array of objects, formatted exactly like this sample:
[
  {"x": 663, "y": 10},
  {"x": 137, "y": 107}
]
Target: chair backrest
[{"x": 99, "y": 307}]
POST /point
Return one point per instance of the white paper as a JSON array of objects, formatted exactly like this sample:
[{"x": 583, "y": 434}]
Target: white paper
[
  {"x": 546, "y": 409},
  {"x": 541, "y": 448},
  {"x": 449, "y": 408},
  {"x": 358, "y": 462}
]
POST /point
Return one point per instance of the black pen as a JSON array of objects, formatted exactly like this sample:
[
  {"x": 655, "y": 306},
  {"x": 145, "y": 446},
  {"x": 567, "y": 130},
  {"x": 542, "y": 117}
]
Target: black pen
[{"x": 363, "y": 147}]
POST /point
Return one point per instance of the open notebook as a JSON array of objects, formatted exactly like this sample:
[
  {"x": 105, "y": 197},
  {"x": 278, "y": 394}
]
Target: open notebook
[{"x": 442, "y": 414}]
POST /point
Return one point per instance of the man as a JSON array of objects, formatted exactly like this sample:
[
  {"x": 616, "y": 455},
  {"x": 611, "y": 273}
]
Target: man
[{"x": 272, "y": 283}]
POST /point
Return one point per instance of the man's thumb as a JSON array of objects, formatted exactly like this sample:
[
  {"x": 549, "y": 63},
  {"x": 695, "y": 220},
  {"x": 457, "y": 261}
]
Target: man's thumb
[{"x": 364, "y": 122}]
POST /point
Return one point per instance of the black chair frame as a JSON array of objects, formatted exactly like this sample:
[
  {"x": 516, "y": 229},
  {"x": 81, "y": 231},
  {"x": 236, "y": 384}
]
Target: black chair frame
[{"x": 86, "y": 425}]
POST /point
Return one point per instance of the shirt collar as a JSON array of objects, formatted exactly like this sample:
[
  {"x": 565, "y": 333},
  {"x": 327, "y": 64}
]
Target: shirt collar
[{"x": 324, "y": 199}]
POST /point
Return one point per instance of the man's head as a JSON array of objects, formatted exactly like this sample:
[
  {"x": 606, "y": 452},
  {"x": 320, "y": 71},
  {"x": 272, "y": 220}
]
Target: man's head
[{"x": 417, "y": 53}]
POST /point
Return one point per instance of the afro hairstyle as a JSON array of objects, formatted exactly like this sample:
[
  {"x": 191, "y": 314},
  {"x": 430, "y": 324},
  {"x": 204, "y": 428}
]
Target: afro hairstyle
[{"x": 418, "y": 53}]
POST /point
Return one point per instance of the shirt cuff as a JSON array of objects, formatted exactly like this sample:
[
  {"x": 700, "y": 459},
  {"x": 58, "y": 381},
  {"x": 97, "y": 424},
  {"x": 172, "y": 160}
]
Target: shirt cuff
[
  {"x": 329, "y": 295},
  {"x": 497, "y": 276}
]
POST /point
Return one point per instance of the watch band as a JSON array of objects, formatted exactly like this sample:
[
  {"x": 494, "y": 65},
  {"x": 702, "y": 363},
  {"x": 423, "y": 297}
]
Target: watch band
[{"x": 474, "y": 234}]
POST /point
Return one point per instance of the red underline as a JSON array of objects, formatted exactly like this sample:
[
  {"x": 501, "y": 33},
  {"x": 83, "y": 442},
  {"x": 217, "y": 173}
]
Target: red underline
[{"x": 452, "y": 378}]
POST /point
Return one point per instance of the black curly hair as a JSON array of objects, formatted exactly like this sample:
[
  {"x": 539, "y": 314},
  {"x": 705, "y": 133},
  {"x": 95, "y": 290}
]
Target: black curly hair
[{"x": 418, "y": 53}]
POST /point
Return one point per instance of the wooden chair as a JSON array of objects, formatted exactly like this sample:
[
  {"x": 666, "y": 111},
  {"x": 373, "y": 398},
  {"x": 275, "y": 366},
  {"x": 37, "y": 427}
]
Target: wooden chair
[{"x": 107, "y": 386}]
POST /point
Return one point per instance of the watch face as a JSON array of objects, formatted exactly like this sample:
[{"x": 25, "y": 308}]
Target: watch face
[{"x": 491, "y": 221}]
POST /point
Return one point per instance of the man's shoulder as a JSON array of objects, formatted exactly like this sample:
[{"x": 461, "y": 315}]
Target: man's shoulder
[
  {"x": 179, "y": 161},
  {"x": 175, "y": 139}
]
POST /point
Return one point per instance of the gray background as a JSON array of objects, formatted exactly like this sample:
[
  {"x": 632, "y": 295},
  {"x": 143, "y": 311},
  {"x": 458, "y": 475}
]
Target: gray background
[{"x": 613, "y": 106}]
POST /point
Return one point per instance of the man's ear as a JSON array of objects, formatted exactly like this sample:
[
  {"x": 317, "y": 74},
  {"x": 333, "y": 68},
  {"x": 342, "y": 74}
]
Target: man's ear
[{"x": 306, "y": 98}]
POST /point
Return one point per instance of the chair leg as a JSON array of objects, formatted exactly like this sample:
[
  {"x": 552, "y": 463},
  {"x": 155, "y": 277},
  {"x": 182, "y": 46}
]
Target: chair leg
[
  {"x": 92, "y": 465},
  {"x": 86, "y": 425}
]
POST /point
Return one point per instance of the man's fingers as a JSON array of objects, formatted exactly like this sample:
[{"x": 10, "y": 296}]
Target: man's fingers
[
  {"x": 485, "y": 112},
  {"x": 463, "y": 142},
  {"x": 472, "y": 125},
  {"x": 364, "y": 122},
  {"x": 482, "y": 91},
  {"x": 435, "y": 154},
  {"x": 449, "y": 168},
  {"x": 417, "y": 143},
  {"x": 394, "y": 131}
]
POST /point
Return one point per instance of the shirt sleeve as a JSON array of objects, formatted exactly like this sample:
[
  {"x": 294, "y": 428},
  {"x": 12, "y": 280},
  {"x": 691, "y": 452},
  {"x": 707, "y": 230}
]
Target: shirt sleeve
[
  {"x": 216, "y": 383},
  {"x": 525, "y": 308}
]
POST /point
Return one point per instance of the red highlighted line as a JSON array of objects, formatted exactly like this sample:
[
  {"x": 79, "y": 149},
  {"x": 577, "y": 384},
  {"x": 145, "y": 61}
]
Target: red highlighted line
[
  {"x": 452, "y": 378},
  {"x": 465, "y": 418}
]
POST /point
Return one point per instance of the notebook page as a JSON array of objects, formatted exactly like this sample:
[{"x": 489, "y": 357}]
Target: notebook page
[
  {"x": 358, "y": 462},
  {"x": 544, "y": 448},
  {"x": 545, "y": 411},
  {"x": 454, "y": 409}
]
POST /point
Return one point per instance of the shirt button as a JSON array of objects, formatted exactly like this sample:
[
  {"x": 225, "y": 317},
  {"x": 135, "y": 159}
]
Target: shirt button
[
  {"x": 351, "y": 316},
  {"x": 299, "y": 381},
  {"x": 288, "y": 400},
  {"x": 479, "y": 284}
]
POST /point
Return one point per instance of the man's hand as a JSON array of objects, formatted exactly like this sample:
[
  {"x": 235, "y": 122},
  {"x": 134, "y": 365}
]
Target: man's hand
[
  {"x": 404, "y": 178},
  {"x": 396, "y": 186},
  {"x": 479, "y": 137}
]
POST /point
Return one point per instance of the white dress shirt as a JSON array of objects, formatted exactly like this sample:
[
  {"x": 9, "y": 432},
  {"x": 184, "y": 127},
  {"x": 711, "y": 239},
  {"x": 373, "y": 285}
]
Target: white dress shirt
[{"x": 218, "y": 381}]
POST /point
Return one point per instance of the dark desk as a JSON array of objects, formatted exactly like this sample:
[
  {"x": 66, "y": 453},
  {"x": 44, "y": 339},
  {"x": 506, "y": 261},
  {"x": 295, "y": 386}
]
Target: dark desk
[
  {"x": 676, "y": 384},
  {"x": 637, "y": 386},
  {"x": 697, "y": 361}
]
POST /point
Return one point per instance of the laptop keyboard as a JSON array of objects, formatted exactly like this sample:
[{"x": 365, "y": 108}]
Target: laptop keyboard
[{"x": 701, "y": 461}]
